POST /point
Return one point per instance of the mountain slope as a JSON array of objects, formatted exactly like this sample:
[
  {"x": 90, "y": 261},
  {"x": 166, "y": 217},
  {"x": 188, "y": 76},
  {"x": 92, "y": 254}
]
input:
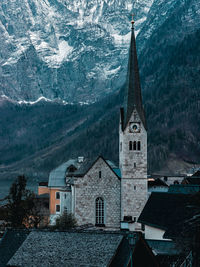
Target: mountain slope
[
  {"x": 45, "y": 134},
  {"x": 65, "y": 49},
  {"x": 170, "y": 79}
]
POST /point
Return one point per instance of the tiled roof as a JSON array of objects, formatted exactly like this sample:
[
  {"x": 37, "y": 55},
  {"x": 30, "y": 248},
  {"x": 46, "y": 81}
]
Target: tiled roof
[
  {"x": 164, "y": 210},
  {"x": 66, "y": 249},
  {"x": 163, "y": 247},
  {"x": 10, "y": 243}
]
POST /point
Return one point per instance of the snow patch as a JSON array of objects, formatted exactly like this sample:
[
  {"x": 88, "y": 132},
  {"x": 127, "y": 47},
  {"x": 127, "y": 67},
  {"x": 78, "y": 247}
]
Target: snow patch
[
  {"x": 121, "y": 39},
  {"x": 112, "y": 71},
  {"x": 42, "y": 98},
  {"x": 64, "y": 50}
]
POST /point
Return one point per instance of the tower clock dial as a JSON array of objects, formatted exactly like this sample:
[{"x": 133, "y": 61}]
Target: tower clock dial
[{"x": 134, "y": 127}]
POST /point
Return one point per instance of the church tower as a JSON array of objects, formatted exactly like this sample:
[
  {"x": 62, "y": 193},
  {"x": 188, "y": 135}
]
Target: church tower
[{"x": 132, "y": 146}]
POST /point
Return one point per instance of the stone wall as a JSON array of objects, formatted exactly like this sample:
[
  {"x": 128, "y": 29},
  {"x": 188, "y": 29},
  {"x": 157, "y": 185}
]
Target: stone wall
[
  {"x": 90, "y": 187},
  {"x": 133, "y": 166}
]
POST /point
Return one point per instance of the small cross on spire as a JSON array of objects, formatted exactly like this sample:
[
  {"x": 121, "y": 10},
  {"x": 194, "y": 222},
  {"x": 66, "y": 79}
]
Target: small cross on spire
[{"x": 132, "y": 21}]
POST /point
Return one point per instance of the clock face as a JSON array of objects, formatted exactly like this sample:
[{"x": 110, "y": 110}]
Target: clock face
[{"x": 134, "y": 127}]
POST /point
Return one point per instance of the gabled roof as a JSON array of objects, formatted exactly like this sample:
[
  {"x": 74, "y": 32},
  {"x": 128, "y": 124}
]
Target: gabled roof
[
  {"x": 57, "y": 177},
  {"x": 192, "y": 180},
  {"x": 10, "y": 243},
  {"x": 89, "y": 164},
  {"x": 45, "y": 248},
  {"x": 196, "y": 174},
  {"x": 164, "y": 210},
  {"x": 133, "y": 96}
]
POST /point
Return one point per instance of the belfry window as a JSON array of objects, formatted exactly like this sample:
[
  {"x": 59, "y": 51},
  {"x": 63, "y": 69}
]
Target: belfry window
[
  {"x": 134, "y": 145},
  {"x": 138, "y": 145},
  {"x": 130, "y": 145},
  {"x": 100, "y": 211}
]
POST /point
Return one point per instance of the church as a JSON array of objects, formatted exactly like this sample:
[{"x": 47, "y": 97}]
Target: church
[{"x": 97, "y": 191}]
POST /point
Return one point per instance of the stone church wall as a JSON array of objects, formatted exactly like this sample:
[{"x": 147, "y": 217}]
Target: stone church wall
[{"x": 90, "y": 187}]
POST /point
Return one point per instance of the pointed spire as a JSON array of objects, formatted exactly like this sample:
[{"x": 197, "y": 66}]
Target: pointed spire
[{"x": 133, "y": 97}]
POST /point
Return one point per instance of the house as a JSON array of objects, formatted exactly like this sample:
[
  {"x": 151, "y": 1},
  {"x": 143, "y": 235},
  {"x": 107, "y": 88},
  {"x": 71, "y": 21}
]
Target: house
[
  {"x": 156, "y": 185},
  {"x": 164, "y": 211},
  {"x": 98, "y": 192}
]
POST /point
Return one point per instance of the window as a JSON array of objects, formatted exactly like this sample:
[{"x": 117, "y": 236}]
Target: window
[
  {"x": 71, "y": 169},
  {"x": 165, "y": 178},
  {"x": 65, "y": 196},
  {"x": 100, "y": 211},
  {"x": 143, "y": 227},
  {"x": 138, "y": 145},
  {"x": 134, "y": 145},
  {"x": 57, "y": 195},
  {"x": 120, "y": 146},
  {"x": 99, "y": 174},
  {"x": 134, "y": 165},
  {"x": 130, "y": 145},
  {"x": 57, "y": 208},
  {"x": 134, "y": 187}
]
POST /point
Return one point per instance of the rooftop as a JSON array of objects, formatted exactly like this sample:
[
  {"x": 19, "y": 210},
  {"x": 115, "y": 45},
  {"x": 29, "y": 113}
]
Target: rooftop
[
  {"x": 66, "y": 249},
  {"x": 164, "y": 210},
  {"x": 10, "y": 243},
  {"x": 57, "y": 177}
]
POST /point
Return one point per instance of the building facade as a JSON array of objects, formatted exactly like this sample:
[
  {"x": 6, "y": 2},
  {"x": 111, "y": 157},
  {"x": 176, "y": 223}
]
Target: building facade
[{"x": 98, "y": 192}]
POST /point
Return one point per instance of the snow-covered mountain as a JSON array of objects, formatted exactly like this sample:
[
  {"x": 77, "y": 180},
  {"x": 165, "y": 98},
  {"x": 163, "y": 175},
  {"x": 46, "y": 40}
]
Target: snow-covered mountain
[{"x": 75, "y": 50}]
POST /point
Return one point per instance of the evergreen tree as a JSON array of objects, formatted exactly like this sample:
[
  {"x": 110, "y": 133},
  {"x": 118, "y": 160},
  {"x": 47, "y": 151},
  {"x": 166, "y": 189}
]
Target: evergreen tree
[
  {"x": 21, "y": 206},
  {"x": 65, "y": 221}
]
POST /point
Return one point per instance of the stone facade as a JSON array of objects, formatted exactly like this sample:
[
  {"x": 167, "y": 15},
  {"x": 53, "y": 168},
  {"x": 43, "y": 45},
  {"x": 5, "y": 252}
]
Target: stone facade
[
  {"x": 133, "y": 165},
  {"x": 89, "y": 187}
]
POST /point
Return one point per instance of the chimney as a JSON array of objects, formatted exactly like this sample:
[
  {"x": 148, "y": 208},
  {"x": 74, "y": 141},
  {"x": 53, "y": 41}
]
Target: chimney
[{"x": 80, "y": 159}]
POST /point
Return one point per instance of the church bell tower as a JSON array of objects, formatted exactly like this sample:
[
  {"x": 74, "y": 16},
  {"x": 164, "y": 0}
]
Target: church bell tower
[{"x": 132, "y": 146}]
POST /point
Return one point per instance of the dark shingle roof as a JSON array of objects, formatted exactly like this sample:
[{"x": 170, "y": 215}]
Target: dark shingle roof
[
  {"x": 164, "y": 210},
  {"x": 163, "y": 247},
  {"x": 67, "y": 249},
  {"x": 196, "y": 174},
  {"x": 193, "y": 180},
  {"x": 157, "y": 182},
  {"x": 133, "y": 96},
  {"x": 10, "y": 243}
]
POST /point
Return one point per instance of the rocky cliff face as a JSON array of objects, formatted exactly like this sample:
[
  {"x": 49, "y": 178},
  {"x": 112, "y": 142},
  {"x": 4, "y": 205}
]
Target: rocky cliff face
[
  {"x": 45, "y": 134},
  {"x": 72, "y": 50}
]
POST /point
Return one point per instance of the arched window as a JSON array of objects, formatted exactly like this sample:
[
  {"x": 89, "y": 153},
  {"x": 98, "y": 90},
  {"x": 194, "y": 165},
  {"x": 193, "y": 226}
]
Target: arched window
[
  {"x": 99, "y": 211},
  {"x": 138, "y": 145},
  {"x": 130, "y": 145},
  {"x": 134, "y": 145}
]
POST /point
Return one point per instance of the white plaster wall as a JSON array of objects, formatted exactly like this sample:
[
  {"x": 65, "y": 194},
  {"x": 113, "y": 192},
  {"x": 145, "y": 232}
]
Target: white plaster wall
[{"x": 154, "y": 233}]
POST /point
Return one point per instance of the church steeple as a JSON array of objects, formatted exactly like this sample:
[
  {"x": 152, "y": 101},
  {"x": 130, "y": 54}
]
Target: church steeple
[
  {"x": 133, "y": 97},
  {"x": 132, "y": 146}
]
